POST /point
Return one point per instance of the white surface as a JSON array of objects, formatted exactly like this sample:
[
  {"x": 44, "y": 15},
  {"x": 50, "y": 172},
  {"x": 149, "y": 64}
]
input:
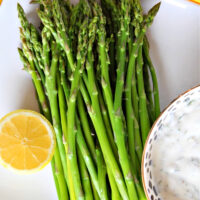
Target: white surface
[{"x": 174, "y": 39}]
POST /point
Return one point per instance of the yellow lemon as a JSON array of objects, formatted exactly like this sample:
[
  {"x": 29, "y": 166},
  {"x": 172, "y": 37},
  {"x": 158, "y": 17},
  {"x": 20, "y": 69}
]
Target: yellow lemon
[
  {"x": 195, "y": 1},
  {"x": 27, "y": 141}
]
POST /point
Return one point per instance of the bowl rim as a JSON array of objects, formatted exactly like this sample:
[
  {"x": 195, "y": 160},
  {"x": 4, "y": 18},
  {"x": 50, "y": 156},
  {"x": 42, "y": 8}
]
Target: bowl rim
[{"x": 151, "y": 130}]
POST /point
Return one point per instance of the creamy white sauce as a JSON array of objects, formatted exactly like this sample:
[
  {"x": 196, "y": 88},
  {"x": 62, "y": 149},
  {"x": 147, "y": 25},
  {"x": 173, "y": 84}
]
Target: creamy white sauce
[{"x": 176, "y": 154}]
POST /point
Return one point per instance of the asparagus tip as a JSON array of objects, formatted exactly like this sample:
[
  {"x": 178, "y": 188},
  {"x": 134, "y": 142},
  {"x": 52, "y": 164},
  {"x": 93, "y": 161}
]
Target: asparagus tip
[
  {"x": 34, "y": 1},
  {"x": 19, "y": 8},
  {"x": 155, "y": 9}
]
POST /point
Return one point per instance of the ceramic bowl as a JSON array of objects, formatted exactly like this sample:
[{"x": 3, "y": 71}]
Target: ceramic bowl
[{"x": 151, "y": 186}]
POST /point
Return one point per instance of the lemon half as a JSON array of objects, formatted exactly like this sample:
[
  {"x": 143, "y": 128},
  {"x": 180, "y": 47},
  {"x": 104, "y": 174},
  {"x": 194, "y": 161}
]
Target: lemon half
[{"x": 27, "y": 141}]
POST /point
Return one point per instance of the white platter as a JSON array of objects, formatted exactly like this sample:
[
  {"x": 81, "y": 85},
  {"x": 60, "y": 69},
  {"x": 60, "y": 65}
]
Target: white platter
[{"x": 174, "y": 39}]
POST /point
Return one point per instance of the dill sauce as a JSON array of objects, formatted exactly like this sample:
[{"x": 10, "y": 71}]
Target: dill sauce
[{"x": 176, "y": 153}]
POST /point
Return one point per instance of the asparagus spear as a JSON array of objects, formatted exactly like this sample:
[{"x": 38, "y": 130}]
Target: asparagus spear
[
  {"x": 56, "y": 162},
  {"x": 71, "y": 59},
  {"x": 80, "y": 140},
  {"x": 85, "y": 177},
  {"x": 148, "y": 91},
  {"x": 154, "y": 78},
  {"x": 71, "y": 111},
  {"x": 115, "y": 116},
  {"x": 129, "y": 108},
  {"x": 122, "y": 37},
  {"x": 63, "y": 118},
  {"x": 101, "y": 174}
]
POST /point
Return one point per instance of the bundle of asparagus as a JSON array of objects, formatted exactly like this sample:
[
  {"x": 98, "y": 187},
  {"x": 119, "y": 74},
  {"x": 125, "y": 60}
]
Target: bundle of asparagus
[{"x": 92, "y": 72}]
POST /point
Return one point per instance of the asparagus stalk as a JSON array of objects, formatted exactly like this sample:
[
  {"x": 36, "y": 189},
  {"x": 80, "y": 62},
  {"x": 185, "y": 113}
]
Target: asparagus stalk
[
  {"x": 85, "y": 177},
  {"x": 101, "y": 174},
  {"x": 115, "y": 195},
  {"x": 86, "y": 126},
  {"x": 107, "y": 152},
  {"x": 36, "y": 80},
  {"x": 80, "y": 139},
  {"x": 88, "y": 159},
  {"x": 59, "y": 174},
  {"x": 63, "y": 118},
  {"x": 95, "y": 194},
  {"x": 108, "y": 125},
  {"x": 143, "y": 112},
  {"x": 50, "y": 85},
  {"x": 53, "y": 164},
  {"x": 70, "y": 60},
  {"x": 95, "y": 101},
  {"x": 148, "y": 91},
  {"x": 154, "y": 79},
  {"x": 129, "y": 108},
  {"x": 116, "y": 120},
  {"x": 29, "y": 33},
  {"x": 71, "y": 112},
  {"x": 95, "y": 114},
  {"x": 72, "y": 146},
  {"x": 56, "y": 163},
  {"x": 122, "y": 37}
]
